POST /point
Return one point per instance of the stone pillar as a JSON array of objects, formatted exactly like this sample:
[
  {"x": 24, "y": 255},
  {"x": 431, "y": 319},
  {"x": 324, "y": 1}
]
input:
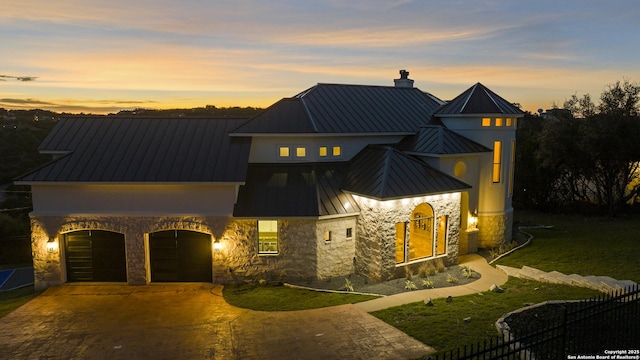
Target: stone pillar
[{"x": 494, "y": 229}]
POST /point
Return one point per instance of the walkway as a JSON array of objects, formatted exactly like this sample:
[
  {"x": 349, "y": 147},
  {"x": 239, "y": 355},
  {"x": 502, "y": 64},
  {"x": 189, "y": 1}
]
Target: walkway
[{"x": 489, "y": 276}]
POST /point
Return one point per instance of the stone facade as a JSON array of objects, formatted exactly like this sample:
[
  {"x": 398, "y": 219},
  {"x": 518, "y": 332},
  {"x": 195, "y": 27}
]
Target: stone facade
[
  {"x": 303, "y": 253},
  {"x": 495, "y": 229},
  {"x": 375, "y": 248}
]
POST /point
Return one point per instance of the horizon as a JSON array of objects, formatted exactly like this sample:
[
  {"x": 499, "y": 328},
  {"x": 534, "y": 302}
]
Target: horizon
[{"x": 102, "y": 58}]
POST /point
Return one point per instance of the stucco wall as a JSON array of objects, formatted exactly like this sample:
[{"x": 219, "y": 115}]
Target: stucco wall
[{"x": 375, "y": 248}]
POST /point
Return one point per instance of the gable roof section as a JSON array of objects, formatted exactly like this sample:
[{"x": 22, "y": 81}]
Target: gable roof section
[
  {"x": 385, "y": 173},
  {"x": 478, "y": 99},
  {"x": 294, "y": 190},
  {"x": 437, "y": 139},
  {"x": 338, "y": 109},
  {"x": 137, "y": 149}
]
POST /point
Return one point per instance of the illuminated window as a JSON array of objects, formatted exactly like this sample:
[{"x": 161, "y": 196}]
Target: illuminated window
[
  {"x": 283, "y": 151},
  {"x": 337, "y": 151},
  {"x": 486, "y": 122},
  {"x": 512, "y": 166},
  {"x": 301, "y": 151},
  {"x": 349, "y": 233},
  {"x": 515, "y": 122},
  {"x": 460, "y": 169},
  {"x": 323, "y": 151},
  {"x": 267, "y": 236},
  {"x": 498, "y": 122},
  {"x": 327, "y": 235},
  {"x": 509, "y": 122},
  {"x": 497, "y": 160}
]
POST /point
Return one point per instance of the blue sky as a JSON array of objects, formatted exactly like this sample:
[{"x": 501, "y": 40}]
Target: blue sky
[{"x": 103, "y": 56}]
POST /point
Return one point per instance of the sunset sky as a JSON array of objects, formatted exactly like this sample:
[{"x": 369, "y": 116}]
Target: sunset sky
[{"x": 103, "y": 56}]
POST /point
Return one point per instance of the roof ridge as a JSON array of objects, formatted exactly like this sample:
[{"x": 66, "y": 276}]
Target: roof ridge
[
  {"x": 472, "y": 90},
  {"x": 489, "y": 94},
  {"x": 314, "y": 125}
]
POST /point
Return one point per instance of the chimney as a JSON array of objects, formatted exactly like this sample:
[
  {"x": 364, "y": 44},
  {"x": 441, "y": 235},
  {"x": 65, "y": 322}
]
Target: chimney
[{"x": 404, "y": 81}]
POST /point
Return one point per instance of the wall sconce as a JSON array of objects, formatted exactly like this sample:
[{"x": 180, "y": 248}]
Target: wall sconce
[
  {"x": 473, "y": 221},
  {"x": 52, "y": 246},
  {"x": 217, "y": 246}
]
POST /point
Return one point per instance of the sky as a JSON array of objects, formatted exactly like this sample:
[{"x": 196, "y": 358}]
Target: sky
[{"x": 104, "y": 56}]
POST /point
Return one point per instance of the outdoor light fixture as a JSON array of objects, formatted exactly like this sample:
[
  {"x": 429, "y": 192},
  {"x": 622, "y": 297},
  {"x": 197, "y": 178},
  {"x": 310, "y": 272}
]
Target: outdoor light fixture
[
  {"x": 52, "y": 246},
  {"x": 217, "y": 245}
]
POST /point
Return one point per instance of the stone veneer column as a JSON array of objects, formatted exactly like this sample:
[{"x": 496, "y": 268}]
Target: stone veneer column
[{"x": 494, "y": 230}]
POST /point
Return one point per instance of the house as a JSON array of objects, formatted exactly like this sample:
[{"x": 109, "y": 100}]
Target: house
[{"x": 337, "y": 179}]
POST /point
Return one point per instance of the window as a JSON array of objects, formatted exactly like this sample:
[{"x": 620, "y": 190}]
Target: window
[
  {"x": 327, "y": 235},
  {"x": 486, "y": 122},
  {"x": 301, "y": 152},
  {"x": 414, "y": 238},
  {"x": 512, "y": 165},
  {"x": 337, "y": 151},
  {"x": 349, "y": 233},
  {"x": 497, "y": 161},
  {"x": 498, "y": 122},
  {"x": 267, "y": 236},
  {"x": 323, "y": 151},
  {"x": 509, "y": 122},
  {"x": 283, "y": 151}
]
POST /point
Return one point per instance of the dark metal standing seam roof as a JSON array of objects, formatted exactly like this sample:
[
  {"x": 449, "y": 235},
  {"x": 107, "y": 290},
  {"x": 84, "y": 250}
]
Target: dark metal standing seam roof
[
  {"x": 437, "y": 139},
  {"x": 383, "y": 172},
  {"x": 478, "y": 99},
  {"x": 138, "y": 149},
  {"x": 339, "y": 109},
  {"x": 278, "y": 190}
]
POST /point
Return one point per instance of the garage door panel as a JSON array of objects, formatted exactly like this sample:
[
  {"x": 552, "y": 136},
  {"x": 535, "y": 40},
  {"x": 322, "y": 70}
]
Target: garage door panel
[
  {"x": 95, "y": 256},
  {"x": 180, "y": 256}
]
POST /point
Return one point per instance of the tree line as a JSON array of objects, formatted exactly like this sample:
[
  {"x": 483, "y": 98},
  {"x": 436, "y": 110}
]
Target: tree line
[{"x": 584, "y": 157}]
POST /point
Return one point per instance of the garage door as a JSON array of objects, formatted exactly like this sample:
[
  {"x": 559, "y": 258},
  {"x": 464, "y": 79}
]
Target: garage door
[
  {"x": 180, "y": 255},
  {"x": 95, "y": 255}
]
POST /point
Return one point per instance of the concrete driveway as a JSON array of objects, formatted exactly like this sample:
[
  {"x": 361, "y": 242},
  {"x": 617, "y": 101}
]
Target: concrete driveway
[{"x": 189, "y": 321}]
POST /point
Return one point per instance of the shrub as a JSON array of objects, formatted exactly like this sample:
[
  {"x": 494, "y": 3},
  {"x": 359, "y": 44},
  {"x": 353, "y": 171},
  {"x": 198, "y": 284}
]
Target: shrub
[{"x": 428, "y": 283}]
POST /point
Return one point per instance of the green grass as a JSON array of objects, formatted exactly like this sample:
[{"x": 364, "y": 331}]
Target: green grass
[
  {"x": 581, "y": 245},
  {"x": 442, "y": 326},
  {"x": 281, "y": 298},
  {"x": 11, "y": 300}
]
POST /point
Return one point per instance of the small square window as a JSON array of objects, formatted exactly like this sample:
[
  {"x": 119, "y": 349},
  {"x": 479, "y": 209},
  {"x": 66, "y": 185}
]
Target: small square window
[
  {"x": 327, "y": 235},
  {"x": 337, "y": 151},
  {"x": 509, "y": 122},
  {"x": 301, "y": 152},
  {"x": 498, "y": 122},
  {"x": 283, "y": 151},
  {"x": 486, "y": 122},
  {"x": 323, "y": 151},
  {"x": 349, "y": 233}
]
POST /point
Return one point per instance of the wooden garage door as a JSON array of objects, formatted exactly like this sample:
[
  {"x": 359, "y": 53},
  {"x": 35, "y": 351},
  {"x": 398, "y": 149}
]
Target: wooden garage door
[
  {"x": 180, "y": 255},
  {"x": 95, "y": 255}
]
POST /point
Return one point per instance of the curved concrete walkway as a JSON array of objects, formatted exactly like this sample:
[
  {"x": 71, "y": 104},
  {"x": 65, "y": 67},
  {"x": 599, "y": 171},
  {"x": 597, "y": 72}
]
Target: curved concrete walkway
[{"x": 489, "y": 276}]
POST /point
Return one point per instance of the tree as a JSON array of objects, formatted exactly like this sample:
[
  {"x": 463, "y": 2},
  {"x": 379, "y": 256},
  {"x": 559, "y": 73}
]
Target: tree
[{"x": 595, "y": 152}]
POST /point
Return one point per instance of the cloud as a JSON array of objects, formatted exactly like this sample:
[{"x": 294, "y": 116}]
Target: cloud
[{"x": 19, "y": 78}]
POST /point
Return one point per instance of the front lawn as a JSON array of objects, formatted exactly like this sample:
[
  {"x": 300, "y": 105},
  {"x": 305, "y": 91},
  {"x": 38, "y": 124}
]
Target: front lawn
[
  {"x": 581, "y": 245},
  {"x": 282, "y": 298},
  {"x": 443, "y": 327},
  {"x": 13, "y": 299}
]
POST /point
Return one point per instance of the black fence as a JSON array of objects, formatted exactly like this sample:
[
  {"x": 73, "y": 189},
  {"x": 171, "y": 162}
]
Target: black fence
[
  {"x": 15, "y": 250},
  {"x": 587, "y": 328}
]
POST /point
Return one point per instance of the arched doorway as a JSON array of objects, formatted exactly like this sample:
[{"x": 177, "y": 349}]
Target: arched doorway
[
  {"x": 95, "y": 255},
  {"x": 414, "y": 238},
  {"x": 180, "y": 256}
]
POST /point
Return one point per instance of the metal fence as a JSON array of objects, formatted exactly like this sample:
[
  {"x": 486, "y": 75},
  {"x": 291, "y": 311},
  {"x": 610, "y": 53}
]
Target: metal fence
[{"x": 589, "y": 327}]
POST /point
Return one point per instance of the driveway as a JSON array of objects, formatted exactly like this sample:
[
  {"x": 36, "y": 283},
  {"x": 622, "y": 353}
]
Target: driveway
[{"x": 189, "y": 321}]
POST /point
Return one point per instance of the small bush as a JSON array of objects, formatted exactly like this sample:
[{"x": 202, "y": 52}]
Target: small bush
[
  {"x": 348, "y": 286},
  {"x": 440, "y": 265},
  {"x": 452, "y": 279},
  {"x": 428, "y": 283},
  {"x": 408, "y": 273},
  {"x": 422, "y": 270},
  {"x": 467, "y": 272},
  {"x": 410, "y": 285}
]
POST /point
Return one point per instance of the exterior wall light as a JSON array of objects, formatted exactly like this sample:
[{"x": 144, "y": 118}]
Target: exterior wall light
[
  {"x": 52, "y": 246},
  {"x": 217, "y": 246}
]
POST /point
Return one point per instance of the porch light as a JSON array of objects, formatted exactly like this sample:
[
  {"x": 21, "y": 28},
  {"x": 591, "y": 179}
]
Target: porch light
[
  {"x": 473, "y": 222},
  {"x": 217, "y": 246},
  {"x": 52, "y": 246}
]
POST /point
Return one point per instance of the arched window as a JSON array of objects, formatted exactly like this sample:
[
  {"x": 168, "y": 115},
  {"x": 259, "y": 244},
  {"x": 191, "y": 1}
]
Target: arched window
[{"x": 414, "y": 238}]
